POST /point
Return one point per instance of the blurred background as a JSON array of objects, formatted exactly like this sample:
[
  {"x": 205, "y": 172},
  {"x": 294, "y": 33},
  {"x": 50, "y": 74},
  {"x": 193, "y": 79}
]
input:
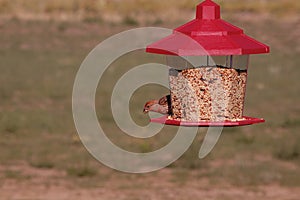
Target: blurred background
[{"x": 42, "y": 44}]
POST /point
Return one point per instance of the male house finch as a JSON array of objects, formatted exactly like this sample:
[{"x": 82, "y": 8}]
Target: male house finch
[{"x": 162, "y": 106}]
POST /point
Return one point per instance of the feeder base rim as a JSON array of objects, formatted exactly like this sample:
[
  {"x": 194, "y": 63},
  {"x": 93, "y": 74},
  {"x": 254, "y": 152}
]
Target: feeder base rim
[{"x": 205, "y": 123}]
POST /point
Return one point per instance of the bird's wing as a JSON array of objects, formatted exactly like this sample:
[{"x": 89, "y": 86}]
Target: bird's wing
[
  {"x": 163, "y": 101},
  {"x": 166, "y": 100}
]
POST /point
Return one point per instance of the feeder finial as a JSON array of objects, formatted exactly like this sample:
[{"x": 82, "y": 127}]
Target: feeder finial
[{"x": 208, "y": 10}]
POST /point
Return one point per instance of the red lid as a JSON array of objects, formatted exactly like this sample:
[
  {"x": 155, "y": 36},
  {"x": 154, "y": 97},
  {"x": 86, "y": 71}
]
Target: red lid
[{"x": 207, "y": 35}]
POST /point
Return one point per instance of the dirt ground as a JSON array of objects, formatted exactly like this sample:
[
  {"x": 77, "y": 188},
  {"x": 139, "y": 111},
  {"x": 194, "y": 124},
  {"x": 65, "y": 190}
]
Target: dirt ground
[{"x": 49, "y": 184}]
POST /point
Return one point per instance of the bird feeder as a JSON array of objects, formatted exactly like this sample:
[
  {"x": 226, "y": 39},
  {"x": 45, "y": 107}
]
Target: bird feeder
[{"x": 212, "y": 91}]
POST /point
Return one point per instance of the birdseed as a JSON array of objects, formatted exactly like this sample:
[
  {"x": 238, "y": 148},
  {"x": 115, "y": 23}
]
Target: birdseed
[{"x": 207, "y": 93}]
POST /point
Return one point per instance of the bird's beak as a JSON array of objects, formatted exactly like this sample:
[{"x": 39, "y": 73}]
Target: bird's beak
[{"x": 145, "y": 111}]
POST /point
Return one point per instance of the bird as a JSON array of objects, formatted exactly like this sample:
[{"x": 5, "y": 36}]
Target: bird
[{"x": 162, "y": 106}]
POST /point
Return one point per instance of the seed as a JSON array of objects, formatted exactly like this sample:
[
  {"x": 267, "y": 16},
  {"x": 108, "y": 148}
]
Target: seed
[{"x": 195, "y": 91}]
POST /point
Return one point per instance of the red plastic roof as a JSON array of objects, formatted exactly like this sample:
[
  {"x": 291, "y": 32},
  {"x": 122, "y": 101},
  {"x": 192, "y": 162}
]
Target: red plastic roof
[{"x": 207, "y": 35}]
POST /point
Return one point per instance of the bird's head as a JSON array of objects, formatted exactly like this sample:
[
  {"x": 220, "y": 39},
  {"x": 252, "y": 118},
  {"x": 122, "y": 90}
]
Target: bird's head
[{"x": 149, "y": 106}]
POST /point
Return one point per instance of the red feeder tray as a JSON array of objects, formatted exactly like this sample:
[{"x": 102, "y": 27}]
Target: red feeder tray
[{"x": 242, "y": 122}]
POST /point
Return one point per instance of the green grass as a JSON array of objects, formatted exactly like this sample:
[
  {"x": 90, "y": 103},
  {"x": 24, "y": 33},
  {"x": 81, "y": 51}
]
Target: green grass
[
  {"x": 38, "y": 69},
  {"x": 288, "y": 148},
  {"x": 42, "y": 164},
  {"x": 82, "y": 172},
  {"x": 15, "y": 174}
]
